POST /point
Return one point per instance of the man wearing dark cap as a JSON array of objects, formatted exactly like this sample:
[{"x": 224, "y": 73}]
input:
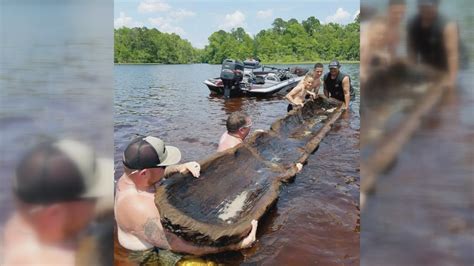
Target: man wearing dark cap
[
  {"x": 146, "y": 161},
  {"x": 433, "y": 40},
  {"x": 338, "y": 84},
  {"x": 56, "y": 187}
]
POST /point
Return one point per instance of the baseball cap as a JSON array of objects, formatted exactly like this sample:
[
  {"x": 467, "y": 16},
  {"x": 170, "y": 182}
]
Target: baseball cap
[
  {"x": 60, "y": 171},
  {"x": 334, "y": 64},
  {"x": 149, "y": 152}
]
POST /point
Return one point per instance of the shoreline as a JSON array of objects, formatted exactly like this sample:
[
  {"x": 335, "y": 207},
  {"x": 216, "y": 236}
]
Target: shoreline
[{"x": 266, "y": 63}]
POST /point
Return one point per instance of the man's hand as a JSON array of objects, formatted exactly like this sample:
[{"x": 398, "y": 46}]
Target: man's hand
[
  {"x": 299, "y": 166},
  {"x": 192, "y": 167},
  {"x": 247, "y": 242},
  {"x": 312, "y": 95}
]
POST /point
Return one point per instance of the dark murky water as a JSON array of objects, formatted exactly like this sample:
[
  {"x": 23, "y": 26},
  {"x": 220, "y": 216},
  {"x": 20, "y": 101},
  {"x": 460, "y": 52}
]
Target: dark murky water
[{"x": 316, "y": 217}]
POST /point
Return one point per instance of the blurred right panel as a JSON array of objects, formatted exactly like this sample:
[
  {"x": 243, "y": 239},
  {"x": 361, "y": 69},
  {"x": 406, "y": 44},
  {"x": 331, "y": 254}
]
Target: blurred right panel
[{"x": 417, "y": 132}]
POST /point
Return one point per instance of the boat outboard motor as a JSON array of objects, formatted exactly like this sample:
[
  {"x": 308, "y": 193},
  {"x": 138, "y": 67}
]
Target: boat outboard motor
[{"x": 232, "y": 73}]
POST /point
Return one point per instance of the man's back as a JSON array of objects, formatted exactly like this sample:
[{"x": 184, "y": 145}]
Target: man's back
[{"x": 228, "y": 141}]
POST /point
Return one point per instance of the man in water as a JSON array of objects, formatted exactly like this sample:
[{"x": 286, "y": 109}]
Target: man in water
[
  {"x": 238, "y": 127},
  {"x": 317, "y": 74},
  {"x": 380, "y": 39},
  {"x": 338, "y": 84},
  {"x": 56, "y": 187},
  {"x": 433, "y": 40},
  {"x": 395, "y": 14},
  {"x": 146, "y": 161},
  {"x": 298, "y": 94}
]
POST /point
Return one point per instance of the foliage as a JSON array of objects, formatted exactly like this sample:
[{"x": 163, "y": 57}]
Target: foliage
[
  {"x": 142, "y": 45},
  {"x": 286, "y": 41}
]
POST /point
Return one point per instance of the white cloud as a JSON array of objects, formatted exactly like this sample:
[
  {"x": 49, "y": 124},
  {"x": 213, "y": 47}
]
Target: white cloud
[
  {"x": 124, "y": 21},
  {"x": 157, "y": 21},
  {"x": 356, "y": 14},
  {"x": 234, "y": 20},
  {"x": 166, "y": 25},
  {"x": 264, "y": 14},
  {"x": 181, "y": 13},
  {"x": 340, "y": 16},
  {"x": 148, "y": 6}
]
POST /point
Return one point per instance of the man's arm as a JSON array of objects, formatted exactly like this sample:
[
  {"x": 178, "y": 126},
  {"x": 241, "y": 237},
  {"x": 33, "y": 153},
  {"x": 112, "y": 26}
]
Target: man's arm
[
  {"x": 346, "y": 88},
  {"x": 411, "y": 50},
  {"x": 192, "y": 167},
  {"x": 451, "y": 43},
  {"x": 326, "y": 92}
]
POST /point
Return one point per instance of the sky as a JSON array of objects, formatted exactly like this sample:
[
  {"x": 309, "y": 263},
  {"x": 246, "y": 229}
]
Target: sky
[{"x": 195, "y": 20}]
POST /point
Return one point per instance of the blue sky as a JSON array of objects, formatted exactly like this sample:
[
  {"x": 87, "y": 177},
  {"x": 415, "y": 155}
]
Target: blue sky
[{"x": 197, "y": 20}]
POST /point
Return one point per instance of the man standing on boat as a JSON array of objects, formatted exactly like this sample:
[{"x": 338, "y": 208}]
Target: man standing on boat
[
  {"x": 238, "y": 127},
  {"x": 146, "y": 161},
  {"x": 338, "y": 84}
]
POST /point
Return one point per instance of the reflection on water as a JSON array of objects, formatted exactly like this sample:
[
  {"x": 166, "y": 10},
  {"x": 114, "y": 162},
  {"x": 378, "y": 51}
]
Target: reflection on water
[{"x": 316, "y": 216}]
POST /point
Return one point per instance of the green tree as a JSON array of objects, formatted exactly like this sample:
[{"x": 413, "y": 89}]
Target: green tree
[{"x": 285, "y": 41}]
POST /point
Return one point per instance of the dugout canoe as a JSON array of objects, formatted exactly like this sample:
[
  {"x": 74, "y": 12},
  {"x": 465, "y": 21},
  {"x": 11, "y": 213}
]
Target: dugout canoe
[
  {"x": 392, "y": 113},
  {"x": 242, "y": 183}
]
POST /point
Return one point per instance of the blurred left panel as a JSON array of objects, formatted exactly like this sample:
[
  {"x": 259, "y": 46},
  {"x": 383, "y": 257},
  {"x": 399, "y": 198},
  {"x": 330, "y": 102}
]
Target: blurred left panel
[{"x": 56, "y": 132}]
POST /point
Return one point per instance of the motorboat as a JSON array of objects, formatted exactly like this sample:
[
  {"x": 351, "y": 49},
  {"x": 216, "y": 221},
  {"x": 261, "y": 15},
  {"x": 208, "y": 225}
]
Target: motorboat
[{"x": 253, "y": 79}]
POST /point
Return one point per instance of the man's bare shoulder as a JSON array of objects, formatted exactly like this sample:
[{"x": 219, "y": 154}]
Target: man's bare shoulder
[
  {"x": 38, "y": 254},
  {"x": 130, "y": 200}
]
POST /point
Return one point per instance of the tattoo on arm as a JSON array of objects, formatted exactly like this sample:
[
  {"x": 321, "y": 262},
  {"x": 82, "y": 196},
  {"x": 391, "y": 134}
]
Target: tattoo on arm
[
  {"x": 150, "y": 227},
  {"x": 153, "y": 232}
]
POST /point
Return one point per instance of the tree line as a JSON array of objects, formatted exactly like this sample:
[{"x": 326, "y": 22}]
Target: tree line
[{"x": 287, "y": 41}]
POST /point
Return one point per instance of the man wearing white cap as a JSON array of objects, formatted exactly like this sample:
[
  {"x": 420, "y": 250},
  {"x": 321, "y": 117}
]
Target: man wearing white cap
[
  {"x": 146, "y": 161},
  {"x": 56, "y": 187}
]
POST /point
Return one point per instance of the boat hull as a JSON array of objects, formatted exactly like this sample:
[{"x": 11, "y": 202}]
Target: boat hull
[{"x": 216, "y": 87}]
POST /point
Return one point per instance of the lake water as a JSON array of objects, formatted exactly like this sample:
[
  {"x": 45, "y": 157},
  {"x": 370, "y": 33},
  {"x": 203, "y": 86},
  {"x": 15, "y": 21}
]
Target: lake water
[
  {"x": 55, "y": 79},
  {"x": 316, "y": 217}
]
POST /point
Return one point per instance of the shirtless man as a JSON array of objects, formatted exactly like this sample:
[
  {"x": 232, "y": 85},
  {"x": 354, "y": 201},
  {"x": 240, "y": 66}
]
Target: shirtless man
[
  {"x": 146, "y": 162},
  {"x": 238, "y": 127},
  {"x": 56, "y": 188},
  {"x": 317, "y": 74},
  {"x": 296, "y": 96},
  {"x": 380, "y": 39}
]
